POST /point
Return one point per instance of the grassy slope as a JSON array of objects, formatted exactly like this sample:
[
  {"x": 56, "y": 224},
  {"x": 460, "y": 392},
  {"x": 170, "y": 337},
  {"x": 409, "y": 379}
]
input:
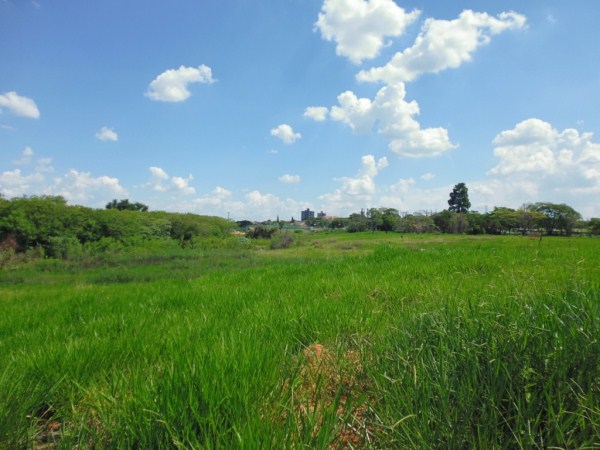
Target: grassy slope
[{"x": 461, "y": 342}]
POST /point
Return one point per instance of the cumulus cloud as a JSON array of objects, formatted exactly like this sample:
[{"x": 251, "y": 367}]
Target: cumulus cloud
[
  {"x": 358, "y": 189},
  {"x": 183, "y": 184},
  {"x": 443, "y": 44},
  {"x": 290, "y": 179},
  {"x": 216, "y": 202},
  {"x": 107, "y": 134},
  {"x": 83, "y": 187},
  {"x": 251, "y": 205},
  {"x": 16, "y": 184},
  {"x": 18, "y": 105},
  {"x": 158, "y": 173},
  {"x": 317, "y": 113},
  {"x": 569, "y": 158},
  {"x": 536, "y": 162},
  {"x": 406, "y": 196},
  {"x": 172, "y": 84},
  {"x": 160, "y": 181},
  {"x": 77, "y": 187},
  {"x": 392, "y": 115},
  {"x": 286, "y": 133},
  {"x": 427, "y": 176},
  {"x": 359, "y": 27}
]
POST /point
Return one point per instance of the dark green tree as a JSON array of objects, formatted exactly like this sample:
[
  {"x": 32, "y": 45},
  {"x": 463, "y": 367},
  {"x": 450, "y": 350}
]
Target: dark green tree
[
  {"x": 594, "y": 227},
  {"x": 476, "y": 222},
  {"x": 389, "y": 219},
  {"x": 558, "y": 217},
  {"x": 443, "y": 220},
  {"x": 357, "y": 222},
  {"x": 375, "y": 217},
  {"x": 126, "y": 205},
  {"x": 459, "y": 199}
]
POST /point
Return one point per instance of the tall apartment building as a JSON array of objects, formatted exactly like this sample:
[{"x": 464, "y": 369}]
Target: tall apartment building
[{"x": 307, "y": 215}]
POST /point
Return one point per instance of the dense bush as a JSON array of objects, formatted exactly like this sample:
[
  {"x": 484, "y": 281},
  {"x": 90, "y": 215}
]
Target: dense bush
[
  {"x": 282, "y": 239},
  {"x": 64, "y": 231}
]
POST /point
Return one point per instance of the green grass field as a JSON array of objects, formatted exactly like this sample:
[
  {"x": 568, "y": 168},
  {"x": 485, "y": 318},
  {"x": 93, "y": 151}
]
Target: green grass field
[{"x": 341, "y": 341}]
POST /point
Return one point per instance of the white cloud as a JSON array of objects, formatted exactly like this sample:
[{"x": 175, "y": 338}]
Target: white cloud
[
  {"x": 171, "y": 85},
  {"x": 405, "y": 196},
  {"x": 290, "y": 179},
  {"x": 218, "y": 200},
  {"x": 159, "y": 182},
  {"x": 159, "y": 176},
  {"x": 158, "y": 173},
  {"x": 392, "y": 115},
  {"x": 26, "y": 156},
  {"x": 443, "y": 44},
  {"x": 16, "y": 184},
  {"x": 317, "y": 113},
  {"x": 567, "y": 159},
  {"x": 359, "y": 27},
  {"x": 76, "y": 187},
  {"x": 107, "y": 134},
  {"x": 427, "y": 176},
  {"x": 183, "y": 184},
  {"x": 286, "y": 133},
  {"x": 18, "y": 105},
  {"x": 220, "y": 192},
  {"x": 253, "y": 205},
  {"x": 537, "y": 162},
  {"x": 82, "y": 187},
  {"x": 356, "y": 190},
  {"x": 44, "y": 165}
]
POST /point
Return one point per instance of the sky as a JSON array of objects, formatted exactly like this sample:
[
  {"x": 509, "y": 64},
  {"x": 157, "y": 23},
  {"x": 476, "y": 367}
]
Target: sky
[{"x": 253, "y": 110}]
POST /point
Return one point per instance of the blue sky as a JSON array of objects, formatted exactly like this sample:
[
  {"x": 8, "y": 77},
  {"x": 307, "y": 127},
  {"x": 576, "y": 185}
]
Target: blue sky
[{"x": 257, "y": 109}]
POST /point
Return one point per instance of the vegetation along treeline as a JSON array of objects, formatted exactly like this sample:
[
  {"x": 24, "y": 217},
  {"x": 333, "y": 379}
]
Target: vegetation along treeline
[
  {"x": 49, "y": 226},
  {"x": 548, "y": 218},
  {"x": 542, "y": 217}
]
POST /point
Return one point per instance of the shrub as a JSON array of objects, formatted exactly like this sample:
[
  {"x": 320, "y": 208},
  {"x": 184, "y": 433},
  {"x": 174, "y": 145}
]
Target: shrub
[
  {"x": 63, "y": 247},
  {"x": 260, "y": 233},
  {"x": 282, "y": 239}
]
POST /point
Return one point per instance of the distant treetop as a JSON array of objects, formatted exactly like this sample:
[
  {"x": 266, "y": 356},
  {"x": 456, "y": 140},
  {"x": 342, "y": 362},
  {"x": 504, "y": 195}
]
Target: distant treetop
[{"x": 125, "y": 205}]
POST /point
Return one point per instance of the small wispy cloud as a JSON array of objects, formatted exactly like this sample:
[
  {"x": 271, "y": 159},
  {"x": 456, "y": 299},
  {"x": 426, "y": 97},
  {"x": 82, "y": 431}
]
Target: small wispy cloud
[
  {"x": 289, "y": 179},
  {"x": 286, "y": 133},
  {"x": 107, "y": 134}
]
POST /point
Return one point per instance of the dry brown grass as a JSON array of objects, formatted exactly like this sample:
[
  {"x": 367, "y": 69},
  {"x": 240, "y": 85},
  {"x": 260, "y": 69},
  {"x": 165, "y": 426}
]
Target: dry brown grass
[{"x": 328, "y": 391}]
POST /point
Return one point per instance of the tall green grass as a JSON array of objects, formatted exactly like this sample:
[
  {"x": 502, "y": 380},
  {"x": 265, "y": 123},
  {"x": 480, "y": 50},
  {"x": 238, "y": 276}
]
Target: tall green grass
[{"x": 489, "y": 343}]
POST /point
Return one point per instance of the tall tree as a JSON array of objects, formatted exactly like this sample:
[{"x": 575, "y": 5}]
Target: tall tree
[{"x": 459, "y": 199}]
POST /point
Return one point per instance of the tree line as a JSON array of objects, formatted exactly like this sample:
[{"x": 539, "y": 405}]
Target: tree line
[
  {"x": 52, "y": 227},
  {"x": 543, "y": 217}
]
